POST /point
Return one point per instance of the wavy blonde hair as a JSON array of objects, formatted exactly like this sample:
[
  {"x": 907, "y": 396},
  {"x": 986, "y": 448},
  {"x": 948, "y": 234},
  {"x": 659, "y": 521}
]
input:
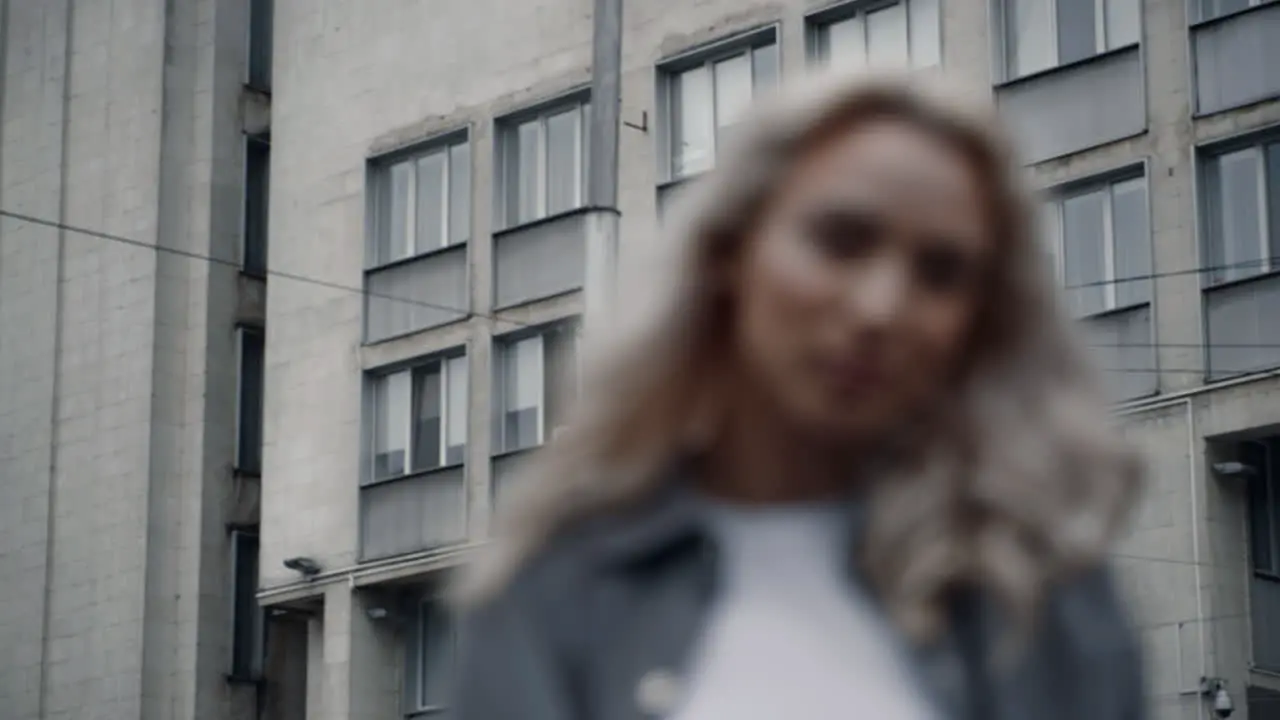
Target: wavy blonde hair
[{"x": 1023, "y": 484}]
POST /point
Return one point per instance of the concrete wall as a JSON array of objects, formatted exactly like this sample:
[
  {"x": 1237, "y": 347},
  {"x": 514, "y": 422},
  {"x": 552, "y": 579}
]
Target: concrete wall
[
  {"x": 354, "y": 80},
  {"x": 117, "y": 117}
]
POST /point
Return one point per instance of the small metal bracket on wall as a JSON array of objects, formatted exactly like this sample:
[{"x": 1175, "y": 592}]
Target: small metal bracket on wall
[{"x": 644, "y": 122}]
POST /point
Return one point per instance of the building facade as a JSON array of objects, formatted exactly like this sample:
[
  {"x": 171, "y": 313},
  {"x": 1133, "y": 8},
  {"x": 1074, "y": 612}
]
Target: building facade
[
  {"x": 132, "y": 300},
  {"x": 432, "y": 225}
]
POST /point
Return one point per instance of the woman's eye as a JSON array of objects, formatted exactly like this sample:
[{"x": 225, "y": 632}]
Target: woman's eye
[
  {"x": 843, "y": 235},
  {"x": 941, "y": 269}
]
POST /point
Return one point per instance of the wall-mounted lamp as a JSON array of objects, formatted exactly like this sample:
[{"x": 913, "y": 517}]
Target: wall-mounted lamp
[
  {"x": 1233, "y": 468},
  {"x": 376, "y": 613},
  {"x": 305, "y": 565},
  {"x": 1215, "y": 690}
]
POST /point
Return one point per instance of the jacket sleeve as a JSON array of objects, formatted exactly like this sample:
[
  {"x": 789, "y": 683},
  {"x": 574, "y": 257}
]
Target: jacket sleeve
[{"x": 507, "y": 668}]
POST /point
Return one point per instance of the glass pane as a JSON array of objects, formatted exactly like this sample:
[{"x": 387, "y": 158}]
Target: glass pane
[
  {"x": 764, "y": 64},
  {"x": 1273, "y": 203},
  {"x": 1254, "y": 454},
  {"x": 525, "y": 174},
  {"x": 1216, "y": 8},
  {"x": 460, "y": 193},
  {"x": 391, "y": 403},
  {"x": 249, "y": 439},
  {"x": 925, "y": 25},
  {"x": 1238, "y": 247},
  {"x": 522, "y": 394},
  {"x": 1124, "y": 25},
  {"x": 562, "y": 373},
  {"x": 1077, "y": 30},
  {"x": 1132, "y": 241},
  {"x": 437, "y": 656},
  {"x": 846, "y": 44},
  {"x": 1084, "y": 261},
  {"x": 563, "y": 162},
  {"x": 399, "y": 225},
  {"x": 427, "y": 412},
  {"x": 431, "y": 202},
  {"x": 455, "y": 432},
  {"x": 887, "y": 37},
  {"x": 733, "y": 89},
  {"x": 692, "y": 124},
  {"x": 1031, "y": 41},
  {"x": 585, "y": 196}
]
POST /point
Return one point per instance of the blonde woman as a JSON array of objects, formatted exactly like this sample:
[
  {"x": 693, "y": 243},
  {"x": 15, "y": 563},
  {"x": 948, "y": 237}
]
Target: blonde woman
[{"x": 850, "y": 464}]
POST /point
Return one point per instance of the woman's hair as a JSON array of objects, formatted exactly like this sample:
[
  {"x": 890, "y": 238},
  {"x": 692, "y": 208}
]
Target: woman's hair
[{"x": 1024, "y": 483}]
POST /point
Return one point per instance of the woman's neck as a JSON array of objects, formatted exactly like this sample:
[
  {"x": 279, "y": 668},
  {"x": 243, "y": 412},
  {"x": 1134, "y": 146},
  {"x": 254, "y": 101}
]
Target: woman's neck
[{"x": 759, "y": 459}]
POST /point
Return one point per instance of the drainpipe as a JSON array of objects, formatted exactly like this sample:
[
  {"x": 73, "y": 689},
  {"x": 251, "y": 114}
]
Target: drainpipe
[{"x": 602, "y": 173}]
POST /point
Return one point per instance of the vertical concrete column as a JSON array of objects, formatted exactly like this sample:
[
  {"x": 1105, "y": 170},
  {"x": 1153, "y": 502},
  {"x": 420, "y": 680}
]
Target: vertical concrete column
[{"x": 360, "y": 667}]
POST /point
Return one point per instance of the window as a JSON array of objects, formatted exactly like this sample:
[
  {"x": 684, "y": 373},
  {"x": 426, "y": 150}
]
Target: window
[
  {"x": 894, "y": 34},
  {"x": 1101, "y": 241},
  {"x": 257, "y": 171},
  {"x": 260, "y": 29},
  {"x": 1209, "y": 9},
  {"x": 544, "y": 162},
  {"x": 1242, "y": 193},
  {"x": 246, "y": 615},
  {"x": 1263, "y": 457},
  {"x": 1042, "y": 34},
  {"x": 420, "y": 418},
  {"x": 433, "y": 657},
  {"x": 249, "y": 400},
  {"x": 423, "y": 201},
  {"x": 536, "y": 373},
  {"x": 706, "y": 98}
]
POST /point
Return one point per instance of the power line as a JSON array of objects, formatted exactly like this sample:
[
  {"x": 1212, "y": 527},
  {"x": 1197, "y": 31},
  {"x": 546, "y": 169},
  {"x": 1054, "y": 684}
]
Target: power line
[
  {"x": 460, "y": 312},
  {"x": 463, "y": 313}
]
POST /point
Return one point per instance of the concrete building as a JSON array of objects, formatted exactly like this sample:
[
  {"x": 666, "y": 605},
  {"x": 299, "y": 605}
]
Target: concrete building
[
  {"x": 432, "y": 232},
  {"x": 131, "y": 306}
]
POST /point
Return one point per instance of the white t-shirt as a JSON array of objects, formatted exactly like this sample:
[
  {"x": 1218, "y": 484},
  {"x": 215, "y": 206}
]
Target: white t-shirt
[{"x": 789, "y": 636}]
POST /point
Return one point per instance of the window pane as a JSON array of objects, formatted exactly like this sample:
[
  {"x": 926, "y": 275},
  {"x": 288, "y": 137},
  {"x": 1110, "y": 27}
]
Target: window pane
[
  {"x": 1215, "y": 8},
  {"x": 583, "y": 187},
  {"x": 437, "y": 658},
  {"x": 1237, "y": 243},
  {"x": 246, "y": 620},
  {"x": 846, "y": 44},
  {"x": 249, "y": 439},
  {"x": 1273, "y": 203},
  {"x": 455, "y": 432},
  {"x": 1124, "y": 25},
  {"x": 427, "y": 418},
  {"x": 1031, "y": 42},
  {"x": 1077, "y": 31},
  {"x": 1254, "y": 454},
  {"x": 733, "y": 90},
  {"x": 764, "y": 64},
  {"x": 391, "y": 403},
  {"x": 887, "y": 37},
  {"x": 1084, "y": 262},
  {"x": 256, "y": 201},
  {"x": 693, "y": 123},
  {"x": 431, "y": 201},
  {"x": 460, "y": 193},
  {"x": 400, "y": 220},
  {"x": 523, "y": 394},
  {"x": 1132, "y": 241},
  {"x": 925, "y": 25},
  {"x": 563, "y": 162},
  {"x": 525, "y": 174},
  {"x": 562, "y": 373}
]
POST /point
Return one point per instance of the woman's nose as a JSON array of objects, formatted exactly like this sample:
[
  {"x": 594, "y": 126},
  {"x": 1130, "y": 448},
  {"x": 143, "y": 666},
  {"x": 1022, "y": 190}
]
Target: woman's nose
[{"x": 876, "y": 297}]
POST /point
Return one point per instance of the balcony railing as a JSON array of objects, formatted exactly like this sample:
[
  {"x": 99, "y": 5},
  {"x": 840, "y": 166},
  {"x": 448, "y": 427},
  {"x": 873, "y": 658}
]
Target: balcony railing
[
  {"x": 540, "y": 259},
  {"x": 1235, "y": 59},
  {"x": 413, "y": 513},
  {"x": 1078, "y": 106},
  {"x": 417, "y": 293}
]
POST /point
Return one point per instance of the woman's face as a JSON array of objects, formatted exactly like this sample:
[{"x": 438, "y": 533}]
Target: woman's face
[{"x": 859, "y": 286}]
